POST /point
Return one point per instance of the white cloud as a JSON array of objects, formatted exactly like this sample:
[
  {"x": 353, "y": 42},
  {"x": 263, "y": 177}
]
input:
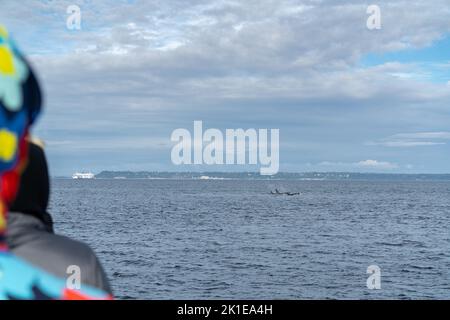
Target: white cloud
[
  {"x": 375, "y": 164},
  {"x": 147, "y": 67},
  {"x": 424, "y": 135},
  {"x": 365, "y": 164},
  {"x": 417, "y": 139},
  {"x": 405, "y": 144}
]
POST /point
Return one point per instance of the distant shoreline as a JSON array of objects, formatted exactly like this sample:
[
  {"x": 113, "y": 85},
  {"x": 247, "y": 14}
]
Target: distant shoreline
[{"x": 303, "y": 176}]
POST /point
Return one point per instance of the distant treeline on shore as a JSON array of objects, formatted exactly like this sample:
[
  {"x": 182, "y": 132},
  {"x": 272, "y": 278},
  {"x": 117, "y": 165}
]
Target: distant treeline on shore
[{"x": 280, "y": 176}]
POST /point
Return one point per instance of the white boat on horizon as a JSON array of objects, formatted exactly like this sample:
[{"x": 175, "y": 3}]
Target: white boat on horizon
[{"x": 83, "y": 175}]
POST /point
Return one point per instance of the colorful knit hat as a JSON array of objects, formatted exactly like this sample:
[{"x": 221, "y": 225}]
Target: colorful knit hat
[{"x": 20, "y": 104}]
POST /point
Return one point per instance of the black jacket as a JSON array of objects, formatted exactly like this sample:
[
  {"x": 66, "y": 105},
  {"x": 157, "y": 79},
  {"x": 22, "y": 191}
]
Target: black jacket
[{"x": 30, "y": 230}]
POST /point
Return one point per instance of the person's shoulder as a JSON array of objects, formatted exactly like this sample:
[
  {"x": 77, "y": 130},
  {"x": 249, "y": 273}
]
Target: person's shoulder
[
  {"x": 72, "y": 246},
  {"x": 62, "y": 246},
  {"x": 58, "y": 254},
  {"x": 28, "y": 238}
]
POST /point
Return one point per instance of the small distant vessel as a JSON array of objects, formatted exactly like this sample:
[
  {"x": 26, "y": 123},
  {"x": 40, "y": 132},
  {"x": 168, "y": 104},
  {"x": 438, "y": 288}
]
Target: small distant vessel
[{"x": 83, "y": 175}]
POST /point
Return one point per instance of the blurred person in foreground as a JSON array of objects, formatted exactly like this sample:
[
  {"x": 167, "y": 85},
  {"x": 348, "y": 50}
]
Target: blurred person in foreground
[
  {"x": 30, "y": 232},
  {"x": 20, "y": 105}
]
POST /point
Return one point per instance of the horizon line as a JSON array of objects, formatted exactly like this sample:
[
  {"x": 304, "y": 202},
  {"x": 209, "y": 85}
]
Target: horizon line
[{"x": 257, "y": 172}]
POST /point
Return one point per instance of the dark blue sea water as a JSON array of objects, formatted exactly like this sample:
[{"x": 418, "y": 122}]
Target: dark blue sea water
[{"x": 193, "y": 239}]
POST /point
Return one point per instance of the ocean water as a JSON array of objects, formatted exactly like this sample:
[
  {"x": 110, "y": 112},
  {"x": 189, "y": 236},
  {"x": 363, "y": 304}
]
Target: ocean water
[{"x": 232, "y": 239}]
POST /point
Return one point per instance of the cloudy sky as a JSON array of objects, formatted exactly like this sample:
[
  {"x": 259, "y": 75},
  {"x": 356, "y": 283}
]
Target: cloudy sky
[{"x": 344, "y": 97}]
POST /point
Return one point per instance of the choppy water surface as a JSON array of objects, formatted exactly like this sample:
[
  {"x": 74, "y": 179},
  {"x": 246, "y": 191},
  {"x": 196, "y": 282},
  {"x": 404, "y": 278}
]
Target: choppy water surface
[{"x": 167, "y": 239}]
